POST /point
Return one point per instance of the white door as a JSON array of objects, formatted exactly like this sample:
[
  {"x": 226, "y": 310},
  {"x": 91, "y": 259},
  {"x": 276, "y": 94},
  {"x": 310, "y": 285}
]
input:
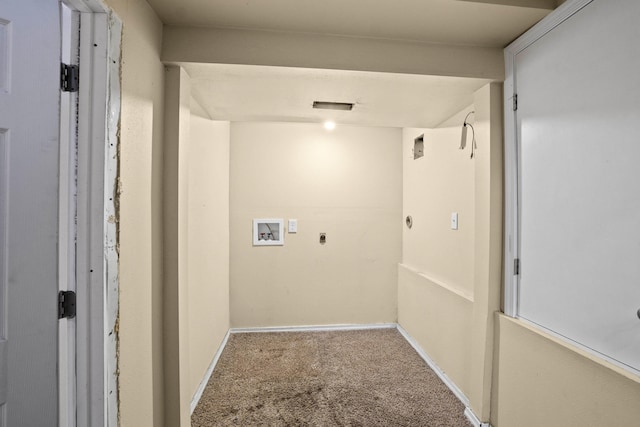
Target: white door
[
  {"x": 578, "y": 108},
  {"x": 29, "y": 168}
]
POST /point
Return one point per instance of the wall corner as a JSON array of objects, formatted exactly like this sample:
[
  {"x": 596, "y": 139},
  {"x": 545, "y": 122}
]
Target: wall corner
[
  {"x": 488, "y": 244},
  {"x": 175, "y": 299}
]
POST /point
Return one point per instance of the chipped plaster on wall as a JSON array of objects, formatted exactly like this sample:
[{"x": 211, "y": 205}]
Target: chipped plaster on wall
[{"x": 112, "y": 217}]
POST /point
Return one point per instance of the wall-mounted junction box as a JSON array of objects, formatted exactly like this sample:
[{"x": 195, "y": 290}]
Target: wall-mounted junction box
[
  {"x": 418, "y": 147},
  {"x": 268, "y": 232}
]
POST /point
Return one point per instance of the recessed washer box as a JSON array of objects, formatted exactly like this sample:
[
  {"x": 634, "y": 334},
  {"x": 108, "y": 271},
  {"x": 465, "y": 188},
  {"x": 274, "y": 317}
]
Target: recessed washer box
[{"x": 268, "y": 232}]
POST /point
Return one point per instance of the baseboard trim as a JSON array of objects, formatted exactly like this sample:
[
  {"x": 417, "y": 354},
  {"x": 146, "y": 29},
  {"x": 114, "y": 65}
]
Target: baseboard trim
[
  {"x": 468, "y": 412},
  {"x": 473, "y": 419},
  {"x": 439, "y": 372},
  {"x": 198, "y": 394},
  {"x": 314, "y": 328}
]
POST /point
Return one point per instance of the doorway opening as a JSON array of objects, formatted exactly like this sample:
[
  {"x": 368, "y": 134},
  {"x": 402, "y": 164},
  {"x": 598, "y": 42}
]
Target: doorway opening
[{"x": 88, "y": 261}]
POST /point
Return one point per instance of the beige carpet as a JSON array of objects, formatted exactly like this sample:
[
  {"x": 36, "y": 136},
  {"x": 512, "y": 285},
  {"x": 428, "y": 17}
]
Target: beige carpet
[{"x": 345, "y": 378}]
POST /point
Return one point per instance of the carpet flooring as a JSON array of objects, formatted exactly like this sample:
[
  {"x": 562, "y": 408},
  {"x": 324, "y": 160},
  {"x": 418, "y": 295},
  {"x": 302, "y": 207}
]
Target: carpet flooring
[{"x": 338, "y": 378}]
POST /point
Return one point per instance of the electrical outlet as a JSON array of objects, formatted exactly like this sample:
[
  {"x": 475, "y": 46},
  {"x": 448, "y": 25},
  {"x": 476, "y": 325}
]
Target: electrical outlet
[{"x": 323, "y": 238}]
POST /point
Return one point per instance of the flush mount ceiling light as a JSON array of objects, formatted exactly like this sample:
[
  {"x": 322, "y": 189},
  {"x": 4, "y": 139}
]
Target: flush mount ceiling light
[
  {"x": 329, "y": 125},
  {"x": 343, "y": 106}
]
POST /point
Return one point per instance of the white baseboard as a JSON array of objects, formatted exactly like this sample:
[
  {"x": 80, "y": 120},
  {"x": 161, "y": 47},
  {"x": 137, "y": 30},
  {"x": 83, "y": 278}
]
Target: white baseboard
[
  {"x": 445, "y": 379},
  {"x": 314, "y": 328},
  {"x": 474, "y": 419},
  {"x": 207, "y": 375},
  {"x": 439, "y": 372}
]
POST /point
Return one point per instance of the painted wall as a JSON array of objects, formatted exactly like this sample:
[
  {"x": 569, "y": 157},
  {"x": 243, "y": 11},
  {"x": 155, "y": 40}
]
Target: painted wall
[
  {"x": 208, "y": 241},
  {"x": 140, "y": 226},
  {"x": 449, "y": 280},
  {"x": 177, "y": 130},
  {"x": 435, "y": 279},
  {"x": 346, "y": 183},
  {"x": 543, "y": 381},
  {"x": 334, "y": 52},
  {"x": 439, "y": 321},
  {"x": 434, "y": 186},
  {"x": 196, "y": 244}
]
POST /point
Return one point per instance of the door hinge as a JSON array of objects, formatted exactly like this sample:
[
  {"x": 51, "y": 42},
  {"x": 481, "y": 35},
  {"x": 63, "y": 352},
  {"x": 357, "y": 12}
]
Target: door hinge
[
  {"x": 66, "y": 305},
  {"x": 516, "y": 266},
  {"x": 69, "y": 78},
  {"x": 515, "y": 102}
]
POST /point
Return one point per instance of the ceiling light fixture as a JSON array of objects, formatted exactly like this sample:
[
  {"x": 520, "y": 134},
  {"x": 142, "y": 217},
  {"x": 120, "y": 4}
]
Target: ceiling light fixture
[
  {"x": 329, "y": 125},
  {"x": 322, "y": 105}
]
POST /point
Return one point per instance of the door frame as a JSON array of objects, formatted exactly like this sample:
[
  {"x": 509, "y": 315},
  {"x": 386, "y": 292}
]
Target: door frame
[
  {"x": 96, "y": 381},
  {"x": 511, "y": 280},
  {"x": 70, "y": 30}
]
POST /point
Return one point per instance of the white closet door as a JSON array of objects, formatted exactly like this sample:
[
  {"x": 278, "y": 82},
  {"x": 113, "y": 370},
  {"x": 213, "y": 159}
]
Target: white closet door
[
  {"x": 29, "y": 133},
  {"x": 578, "y": 122}
]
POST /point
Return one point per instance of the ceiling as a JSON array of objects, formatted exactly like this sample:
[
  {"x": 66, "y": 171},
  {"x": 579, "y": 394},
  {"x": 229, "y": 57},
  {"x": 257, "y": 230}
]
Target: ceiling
[
  {"x": 436, "y": 21},
  {"x": 261, "y": 93}
]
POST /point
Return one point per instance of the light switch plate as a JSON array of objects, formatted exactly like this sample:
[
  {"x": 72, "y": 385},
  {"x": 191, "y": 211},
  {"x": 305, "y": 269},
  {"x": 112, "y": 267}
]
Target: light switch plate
[
  {"x": 293, "y": 226},
  {"x": 454, "y": 220}
]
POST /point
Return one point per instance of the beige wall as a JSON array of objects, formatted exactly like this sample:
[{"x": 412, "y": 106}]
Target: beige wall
[
  {"x": 488, "y": 241},
  {"x": 439, "y": 321},
  {"x": 436, "y": 277},
  {"x": 306, "y": 50},
  {"x": 543, "y": 381},
  {"x": 196, "y": 244},
  {"x": 449, "y": 280},
  {"x": 346, "y": 183},
  {"x": 208, "y": 241},
  {"x": 140, "y": 227},
  {"x": 434, "y": 186},
  {"x": 177, "y": 130}
]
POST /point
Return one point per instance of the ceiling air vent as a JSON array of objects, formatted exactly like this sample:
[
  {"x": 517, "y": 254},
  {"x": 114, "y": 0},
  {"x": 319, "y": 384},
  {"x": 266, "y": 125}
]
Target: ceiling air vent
[{"x": 344, "y": 106}]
